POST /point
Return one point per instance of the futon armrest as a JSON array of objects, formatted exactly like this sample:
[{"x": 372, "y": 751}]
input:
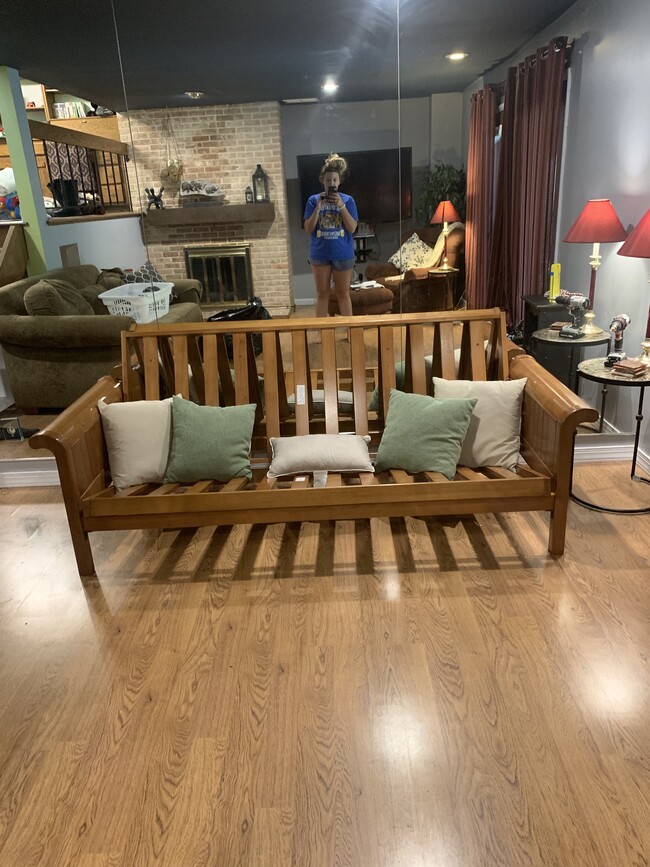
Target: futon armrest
[
  {"x": 63, "y": 332},
  {"x": 187, "y": 290},
  {"x": 553, "y": 397}
]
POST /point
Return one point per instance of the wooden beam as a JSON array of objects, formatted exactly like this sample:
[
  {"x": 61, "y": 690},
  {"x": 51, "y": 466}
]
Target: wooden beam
[
  {"x": 49, "y": 132},
  {"x": 188, "y": 216}
]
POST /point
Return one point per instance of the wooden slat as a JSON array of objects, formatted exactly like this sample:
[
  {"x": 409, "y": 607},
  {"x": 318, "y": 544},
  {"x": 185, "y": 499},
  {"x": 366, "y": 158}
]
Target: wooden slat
[
  {"x": 334, "y": 480},
  {"x": 163, "y": 490},
  {"x": 201, "y": 487},
  {"x": 133, "y": 491},
  {"x": 415, "y": 379},
  {"x": 234, "y": 485},
  {"x": 368, "y": 479},
  {"x": 330, "y": 382},
  {"x": 402, "y": 478},
  {"x": 386, "y": 358},
  {"x": 240, "y": 360},
  {"x": 196, "y": 366},
  {"x": 436, "y": 477},
  {"x": 359, "y": 391},
  {"x": 265, "y": 484},
  {"x": 181, "y": 376},
  {"x": 477, "y": 351},
  {"x": 470, "y": 474},
  {"x": 151, "y": 368},
  {"x": 167, "y": 365},
  {"x": 499, "y": 473},
  {"x": 300, "y": 375},
  {"x": 283, "y": 404},
  {"x": 271, "y": 390},
  {"x": 225, "y": 375},
  {"x": 211, "y": 378},
  {"x": 443, "y": 351},
  {"x": 254, "y": 391}
]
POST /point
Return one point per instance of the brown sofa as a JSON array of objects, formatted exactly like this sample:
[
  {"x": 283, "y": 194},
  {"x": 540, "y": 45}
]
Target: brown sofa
[
  {"x": 51, "y": 360},
  {"x": 417, "y": 291}
]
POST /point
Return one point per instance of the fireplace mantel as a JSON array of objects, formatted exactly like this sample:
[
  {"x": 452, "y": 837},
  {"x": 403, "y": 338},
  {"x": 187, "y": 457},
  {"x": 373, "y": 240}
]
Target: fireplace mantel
[{"x": 255, "y": 213}]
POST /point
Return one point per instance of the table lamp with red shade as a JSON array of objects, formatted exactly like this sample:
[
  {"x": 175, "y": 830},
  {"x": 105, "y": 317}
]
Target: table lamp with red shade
[
  {"x": 638, "y": 245},
  {"x": 445, "y": 214},
  {"x": 597, "y": 224}
]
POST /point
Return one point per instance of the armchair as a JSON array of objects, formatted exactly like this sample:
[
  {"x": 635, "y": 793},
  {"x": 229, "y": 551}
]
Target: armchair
[
  {"x": 416, "y": 290},
  {"x": 52, "y": 360}
]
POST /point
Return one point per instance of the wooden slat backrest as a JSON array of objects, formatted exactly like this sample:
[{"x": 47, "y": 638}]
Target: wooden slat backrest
[
  {"x": 194, "y": 360},
  {"x": 330, "y": 382}
]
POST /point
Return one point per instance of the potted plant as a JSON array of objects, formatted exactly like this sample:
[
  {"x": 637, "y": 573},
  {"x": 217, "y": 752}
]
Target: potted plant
[{"x": 444, "y": 182}]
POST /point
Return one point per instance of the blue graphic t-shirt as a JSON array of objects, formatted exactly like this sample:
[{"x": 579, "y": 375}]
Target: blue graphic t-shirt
[{"x": 330, "y": 239}]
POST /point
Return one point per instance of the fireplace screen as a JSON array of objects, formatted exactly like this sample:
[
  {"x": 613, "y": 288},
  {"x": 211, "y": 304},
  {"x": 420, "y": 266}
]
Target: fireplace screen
[{"x": 225, "y": 272}]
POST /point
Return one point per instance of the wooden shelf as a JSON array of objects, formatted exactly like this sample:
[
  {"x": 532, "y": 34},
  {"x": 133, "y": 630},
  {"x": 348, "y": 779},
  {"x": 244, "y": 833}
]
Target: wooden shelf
[{"x": 262, "y": 213}]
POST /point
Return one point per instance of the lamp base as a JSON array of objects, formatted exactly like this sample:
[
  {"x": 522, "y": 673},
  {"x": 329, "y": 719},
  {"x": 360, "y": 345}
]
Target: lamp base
[
  {"x": 589, "y": 329},
  {"x": 645, "y": 357},
  {"x": 445, "y": 265}
]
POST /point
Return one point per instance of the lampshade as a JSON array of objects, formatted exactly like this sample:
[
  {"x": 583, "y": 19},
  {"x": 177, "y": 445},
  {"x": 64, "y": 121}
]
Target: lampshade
[
  {"x": 597, "y": 223},
  {"x": 445, "y": 213},
  {"x": 638, "y": 244}
]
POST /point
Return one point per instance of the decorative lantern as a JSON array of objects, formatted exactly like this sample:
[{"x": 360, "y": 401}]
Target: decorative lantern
[
  {"x": 249, "y": 195},
  {"x": 260, "y": 185}
]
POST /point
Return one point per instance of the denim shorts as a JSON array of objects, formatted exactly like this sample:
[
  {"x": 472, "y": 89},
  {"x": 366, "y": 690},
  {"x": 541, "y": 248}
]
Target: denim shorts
[{"x": 337, "y": 264}]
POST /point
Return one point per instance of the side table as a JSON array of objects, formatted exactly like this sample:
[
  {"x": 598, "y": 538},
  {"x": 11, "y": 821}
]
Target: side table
[
  {"x": 539, "y": 313},
  {"x": 449, "y": 276},
  {"x": 561, "y": 355},
  {"x": 594, "y": 369}
]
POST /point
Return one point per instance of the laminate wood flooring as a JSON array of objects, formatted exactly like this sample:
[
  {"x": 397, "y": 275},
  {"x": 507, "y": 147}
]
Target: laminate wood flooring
[{"x": 421, "y": 693}]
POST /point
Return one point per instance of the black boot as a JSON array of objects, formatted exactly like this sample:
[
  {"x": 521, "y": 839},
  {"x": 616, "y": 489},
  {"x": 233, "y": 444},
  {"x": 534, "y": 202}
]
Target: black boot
[{"x": 66, "y": 194}]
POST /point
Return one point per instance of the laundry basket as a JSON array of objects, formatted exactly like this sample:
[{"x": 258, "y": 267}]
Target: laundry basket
[{"x": 138, "y": 301}]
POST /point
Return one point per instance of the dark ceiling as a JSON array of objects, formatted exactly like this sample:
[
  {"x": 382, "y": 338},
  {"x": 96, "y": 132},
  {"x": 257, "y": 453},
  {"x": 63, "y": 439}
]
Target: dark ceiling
[{"x": 250, "y": 52}]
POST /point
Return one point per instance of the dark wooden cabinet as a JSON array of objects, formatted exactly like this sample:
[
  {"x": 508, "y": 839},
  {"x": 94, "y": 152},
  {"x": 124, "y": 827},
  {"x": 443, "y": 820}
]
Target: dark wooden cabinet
[{"x": 539, "y": 313}]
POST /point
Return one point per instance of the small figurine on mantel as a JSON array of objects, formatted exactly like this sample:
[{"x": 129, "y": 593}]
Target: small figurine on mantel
[{"x": 154, "y": 199}]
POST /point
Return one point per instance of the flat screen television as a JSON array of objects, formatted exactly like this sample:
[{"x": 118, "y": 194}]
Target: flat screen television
[{"x": 372, "y": 180}]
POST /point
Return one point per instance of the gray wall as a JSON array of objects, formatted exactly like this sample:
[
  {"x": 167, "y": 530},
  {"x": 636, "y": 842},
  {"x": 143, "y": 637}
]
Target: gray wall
[
  {"x": 431, "y": 126},
  {"x": 607, "y": 155}
]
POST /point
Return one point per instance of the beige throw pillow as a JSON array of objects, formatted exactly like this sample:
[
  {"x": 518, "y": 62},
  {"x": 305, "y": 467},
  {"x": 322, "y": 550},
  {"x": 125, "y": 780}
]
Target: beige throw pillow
[
  {"x": 335, "y": 453},
  {"x": 414, "y": 253},
  {"x": 492, "y": 439},
  {"x": 137, "y": 435}
]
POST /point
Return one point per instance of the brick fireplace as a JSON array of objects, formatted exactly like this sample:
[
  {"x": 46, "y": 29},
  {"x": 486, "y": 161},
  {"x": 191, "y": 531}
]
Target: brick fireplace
[{"x": 220, "y": 143}]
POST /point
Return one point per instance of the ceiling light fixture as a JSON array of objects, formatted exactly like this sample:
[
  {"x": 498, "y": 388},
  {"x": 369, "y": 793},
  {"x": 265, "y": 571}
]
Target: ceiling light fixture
[
  {"x": 194, "y": 94},
  {"x": 456, "y": 55},
  {"x": 330, "y": 86},
  {"x": 299, "y": 100}
]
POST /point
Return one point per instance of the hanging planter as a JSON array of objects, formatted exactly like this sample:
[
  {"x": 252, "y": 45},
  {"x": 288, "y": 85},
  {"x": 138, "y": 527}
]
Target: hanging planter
[{"x": 172, "y": 170}]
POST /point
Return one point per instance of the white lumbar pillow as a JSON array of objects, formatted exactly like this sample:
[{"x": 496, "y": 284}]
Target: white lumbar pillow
[
  {"x": 492, "y": 438},
  {"x": 137, "y": 437},
  {"x": 336, "y": 453}
]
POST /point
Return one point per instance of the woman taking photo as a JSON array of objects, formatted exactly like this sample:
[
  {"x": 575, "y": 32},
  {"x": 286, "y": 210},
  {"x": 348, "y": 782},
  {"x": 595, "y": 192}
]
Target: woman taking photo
[{"x": 331, "y": 220}]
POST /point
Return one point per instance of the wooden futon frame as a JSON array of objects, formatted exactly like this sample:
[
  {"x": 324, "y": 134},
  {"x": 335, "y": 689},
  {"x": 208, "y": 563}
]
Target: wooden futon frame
[{"x": 216, "y": 364}]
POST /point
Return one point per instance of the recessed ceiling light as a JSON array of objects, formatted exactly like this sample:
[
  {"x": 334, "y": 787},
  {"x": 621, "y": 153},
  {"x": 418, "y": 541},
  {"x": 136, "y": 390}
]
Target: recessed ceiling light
[
  {"x": 194, "y": 94},
  {"x": 456, "y": 55},
  {"x": 330, "y": 86},
  {"x": 299, "y": 100}
]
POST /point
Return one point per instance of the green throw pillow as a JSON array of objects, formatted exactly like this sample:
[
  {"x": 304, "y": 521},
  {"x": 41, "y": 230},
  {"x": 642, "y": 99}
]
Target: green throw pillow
[
  {"x": 423, "y": 434},
  {"x": 209, "y": 442}
]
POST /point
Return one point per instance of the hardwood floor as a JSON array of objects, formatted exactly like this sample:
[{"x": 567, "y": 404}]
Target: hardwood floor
[{"x": 372, "y": 694}]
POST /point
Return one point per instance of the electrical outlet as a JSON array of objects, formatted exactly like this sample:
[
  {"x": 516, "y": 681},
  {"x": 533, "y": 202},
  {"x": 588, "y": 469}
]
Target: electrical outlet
[{"x": 300, "y": 395}]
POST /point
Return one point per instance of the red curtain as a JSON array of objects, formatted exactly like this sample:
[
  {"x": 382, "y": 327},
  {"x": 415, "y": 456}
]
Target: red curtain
[
  {"x": 523, "y": 232},
  {"x": 480, "y": 190}
]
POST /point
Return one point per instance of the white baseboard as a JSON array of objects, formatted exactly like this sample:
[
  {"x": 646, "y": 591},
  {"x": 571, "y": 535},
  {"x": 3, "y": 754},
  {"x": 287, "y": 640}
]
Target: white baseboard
[
  {"x": 29, "y": 473},
  {"x": 304, "y": 302}
]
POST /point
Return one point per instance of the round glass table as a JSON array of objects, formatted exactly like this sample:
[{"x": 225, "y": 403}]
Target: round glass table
[
  {"x": 594, "y": 369},
  {"x": 562, "y": 354}
]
